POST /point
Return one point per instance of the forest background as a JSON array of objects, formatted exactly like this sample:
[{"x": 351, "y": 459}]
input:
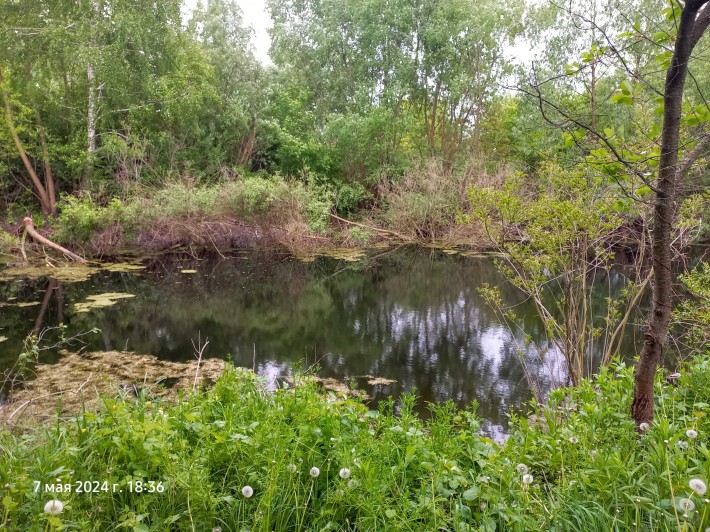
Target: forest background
[{"x": 121, "y": 115}]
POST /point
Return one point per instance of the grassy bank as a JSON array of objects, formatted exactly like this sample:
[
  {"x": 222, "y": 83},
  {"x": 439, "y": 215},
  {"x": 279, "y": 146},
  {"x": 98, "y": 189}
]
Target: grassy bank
[
  {"x": 240, "y": 458},
  {"x": 257, "y": 210}
]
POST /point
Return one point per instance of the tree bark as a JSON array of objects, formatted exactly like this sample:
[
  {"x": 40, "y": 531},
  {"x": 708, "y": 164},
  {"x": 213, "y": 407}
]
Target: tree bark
[{"x": 693, "y": 22}]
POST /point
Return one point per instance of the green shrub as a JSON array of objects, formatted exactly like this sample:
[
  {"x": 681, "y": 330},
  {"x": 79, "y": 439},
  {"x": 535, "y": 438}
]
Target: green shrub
[
  {"x": 692, "y": 315},
  {"x": 80, "y": 218},
  {"x": 277, "y": 200},
  {"x": 252, "y": 196},
  {"x": 181, "y": 200},
  {"x": 349, "y": 197}
]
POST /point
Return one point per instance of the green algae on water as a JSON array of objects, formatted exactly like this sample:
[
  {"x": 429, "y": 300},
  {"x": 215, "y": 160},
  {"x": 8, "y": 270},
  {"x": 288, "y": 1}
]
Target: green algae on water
[
  {"x": 107, "y": 299},
  {"x": 122, "y": 267},
  {"x": 20, "y": 305},
  {"x": 71, "y": 273},
  {"x": 344, "y": 254}
]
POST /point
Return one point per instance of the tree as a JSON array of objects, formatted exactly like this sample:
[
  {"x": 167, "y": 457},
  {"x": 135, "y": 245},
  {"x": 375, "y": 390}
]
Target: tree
[
  {"x": 627, "y": 163},
  {"x": 694, "y": 21}
]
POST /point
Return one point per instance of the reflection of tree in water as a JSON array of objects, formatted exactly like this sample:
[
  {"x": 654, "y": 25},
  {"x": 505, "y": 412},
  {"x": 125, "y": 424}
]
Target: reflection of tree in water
[{"x": 403, "y": 316}]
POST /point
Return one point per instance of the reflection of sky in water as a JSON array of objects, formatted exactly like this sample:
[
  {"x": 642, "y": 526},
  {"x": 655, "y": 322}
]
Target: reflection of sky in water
[{"x": 407, "y": 317}]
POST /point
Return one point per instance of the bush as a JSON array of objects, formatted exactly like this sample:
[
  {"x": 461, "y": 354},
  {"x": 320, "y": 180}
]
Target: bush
[
  {"x": 425, "y": 202},
  {"x": 576, "y": 464},
  {"x": 181, "y": 200},
  {"x": 276, "y": 200},
  {"x": 79, "y": 218},
  {"x": 692, "y": 316}
]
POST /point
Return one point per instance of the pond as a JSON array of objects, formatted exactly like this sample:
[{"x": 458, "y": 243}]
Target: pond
[{"x": 412, "y": 318}]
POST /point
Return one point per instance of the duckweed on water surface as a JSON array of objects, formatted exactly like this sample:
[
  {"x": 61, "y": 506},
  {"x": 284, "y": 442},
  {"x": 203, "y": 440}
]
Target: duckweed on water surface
[
  {"x": 107, "y": 299},
  {"x": 237, "y": 457}
]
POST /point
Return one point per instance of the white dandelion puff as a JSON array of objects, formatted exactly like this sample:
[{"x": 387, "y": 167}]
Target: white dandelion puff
[
  {"x": 314, "y": 472},
  {"x": 344, "y": 473},
  {"x": 53, "y": 507},
  {"x": 573, "y": 440},
  {"x": 291, "y": 468},
  {"x": 352, "y": 484},
  {"x": 682, "y": 444},
  {"x": 686, "y": 505},
  {"x": 692, "y": 434},
  {"x": 247, "y": 491},
  {"x": 698, "y": 486},
  {"x": 527, "y": 479},
  {"x": 522, "y": 468},
  {"x": 643, "y": 427}
]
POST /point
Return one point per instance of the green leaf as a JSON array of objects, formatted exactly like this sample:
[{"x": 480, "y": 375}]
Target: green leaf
[
  {"x": 645, "y": 190},
  {"x": 621, "y": 98},
  {"x": 471, "y": 494},
  {"x": 626, "y": 87}
]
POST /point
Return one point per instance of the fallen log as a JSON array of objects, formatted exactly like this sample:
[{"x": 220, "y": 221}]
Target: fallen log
[
  {"x": 371, "y": 228},
  {"x": 29, "y": 226}
]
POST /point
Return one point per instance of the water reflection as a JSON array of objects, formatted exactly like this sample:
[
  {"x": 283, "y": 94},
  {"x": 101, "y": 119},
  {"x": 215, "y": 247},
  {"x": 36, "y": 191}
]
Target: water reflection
[{"x": 411, "y": 316}]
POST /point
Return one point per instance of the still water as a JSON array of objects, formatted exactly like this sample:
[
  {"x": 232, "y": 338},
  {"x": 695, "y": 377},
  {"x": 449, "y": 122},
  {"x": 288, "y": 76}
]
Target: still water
[{"x": 409, "y": 315}]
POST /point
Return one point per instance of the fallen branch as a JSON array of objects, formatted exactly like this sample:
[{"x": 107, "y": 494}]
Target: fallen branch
[
  {"x": 371, "y": 228},
  {"x": 30, "y": 229}
]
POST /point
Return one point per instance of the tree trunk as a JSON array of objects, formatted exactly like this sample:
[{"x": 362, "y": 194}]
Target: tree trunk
[
  {"x": 40, "y": 190},
  {"x": 90, "y": 124},
  {"x": 48, "y": 176},
  {"x": 30, "y": 228},
  {"x": 693, "y": 23}
]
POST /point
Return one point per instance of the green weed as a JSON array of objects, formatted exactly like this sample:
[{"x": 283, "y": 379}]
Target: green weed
[{"x": 241, "y": 458}]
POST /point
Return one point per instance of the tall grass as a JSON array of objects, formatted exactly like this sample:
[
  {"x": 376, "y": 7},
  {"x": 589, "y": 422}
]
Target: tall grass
[{"x": 578, "y": 465}]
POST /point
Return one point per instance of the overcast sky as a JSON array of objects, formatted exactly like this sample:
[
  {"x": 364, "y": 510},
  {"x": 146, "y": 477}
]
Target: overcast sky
[{"x": 255, "y": 15}]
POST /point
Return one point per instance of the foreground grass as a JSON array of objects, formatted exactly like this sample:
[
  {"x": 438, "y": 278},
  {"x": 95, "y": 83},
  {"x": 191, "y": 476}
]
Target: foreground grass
[{"x": 239, "y": 458}]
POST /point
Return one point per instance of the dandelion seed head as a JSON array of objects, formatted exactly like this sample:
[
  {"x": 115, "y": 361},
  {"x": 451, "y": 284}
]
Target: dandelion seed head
[
  {"x": 314, "y": 472},
  {"x": 54, "y": 507},
  {"x": 291, "y": 468},
  {"x": 573, "y": 440},
  {"x": 643, "y": 427},
  {"x": 247, "y": 491},
  {"x": 344, "y": 473},
  {"x": 527, "y": 479},
  {"x": 522, "y": 468},
  {"x": 692, "y": 434},
  {"x": 682, "y": 444},
  {"x": 698, "y": 486},
  {"x": 686, "y": 505},
  {"x": 352, "y": 483}
]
